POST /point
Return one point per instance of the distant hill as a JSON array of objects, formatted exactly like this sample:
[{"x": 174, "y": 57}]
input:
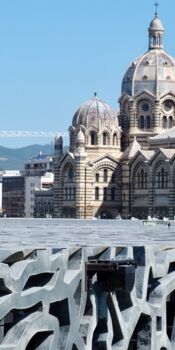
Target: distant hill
[{"x": 14, "y": 159}]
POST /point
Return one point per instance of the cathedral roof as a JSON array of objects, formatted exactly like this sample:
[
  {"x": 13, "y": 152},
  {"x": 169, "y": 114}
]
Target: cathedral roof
[
  {"x": 131, "y": 150},
  {"x": 147, "y": 154},
  {"x": 155, "y": 70},
  {"x": 165, "y": 135},
  {"x": 95, "y": 113},
  {"x": 168, "y": 152}
]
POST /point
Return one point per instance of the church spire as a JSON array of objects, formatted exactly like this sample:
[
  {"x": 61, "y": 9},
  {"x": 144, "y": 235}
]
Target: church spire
[{"x": 156, "y": 32}]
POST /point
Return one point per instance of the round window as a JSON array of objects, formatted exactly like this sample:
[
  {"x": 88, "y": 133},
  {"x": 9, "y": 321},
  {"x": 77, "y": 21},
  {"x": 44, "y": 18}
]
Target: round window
[
  {"x": 145, "y": 107},
  {"x": 168, "y": 106}
]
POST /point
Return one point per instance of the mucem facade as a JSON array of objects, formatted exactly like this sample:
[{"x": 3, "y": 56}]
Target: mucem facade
[
  {"x": 88, "y": 298},
  {"x": 123, "y": 163}
]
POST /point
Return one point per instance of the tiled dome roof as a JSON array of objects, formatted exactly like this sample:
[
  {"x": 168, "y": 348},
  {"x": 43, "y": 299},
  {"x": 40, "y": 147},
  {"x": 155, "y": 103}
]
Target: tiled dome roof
[
  {"x": 154, "y": 72},
  {"x": 95, "y": 113}
]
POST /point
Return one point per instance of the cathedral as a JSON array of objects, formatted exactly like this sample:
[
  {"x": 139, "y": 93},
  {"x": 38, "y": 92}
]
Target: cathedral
[{"x": 123, "y": 164}]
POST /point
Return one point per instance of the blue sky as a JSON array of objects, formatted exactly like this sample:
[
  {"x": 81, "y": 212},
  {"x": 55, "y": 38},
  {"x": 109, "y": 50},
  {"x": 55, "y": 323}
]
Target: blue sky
[{"x": 55, "y": 54}]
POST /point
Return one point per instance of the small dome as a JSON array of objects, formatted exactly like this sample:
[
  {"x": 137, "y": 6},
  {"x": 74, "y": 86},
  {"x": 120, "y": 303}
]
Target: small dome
[
  {"x": 156, "y": 24},
  {"x": 80, "y": 137},
  {"x": 95, "y": 113}
]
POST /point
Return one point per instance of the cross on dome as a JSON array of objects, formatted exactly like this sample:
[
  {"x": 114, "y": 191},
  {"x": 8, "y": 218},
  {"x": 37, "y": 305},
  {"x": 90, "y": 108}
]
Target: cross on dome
[{"x": 156, "y": 6}]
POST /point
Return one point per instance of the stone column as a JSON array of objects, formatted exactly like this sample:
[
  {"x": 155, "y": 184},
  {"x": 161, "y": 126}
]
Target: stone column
[
  {"x": 151, "y": 194},
  {"x": 171, "y": 185},
  {"x": 125, "y": 189},
  {"x": 58, "y": 190},
  {"x": 156, "y": 116},
  {"x": 81, "y": 186},
  {"x": 132, "y": 117}
]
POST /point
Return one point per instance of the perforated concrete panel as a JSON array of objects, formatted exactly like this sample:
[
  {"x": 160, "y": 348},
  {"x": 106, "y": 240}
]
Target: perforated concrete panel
[{"x": 47, "y": 303}]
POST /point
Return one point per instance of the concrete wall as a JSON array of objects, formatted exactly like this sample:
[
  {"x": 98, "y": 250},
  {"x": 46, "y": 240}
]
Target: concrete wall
[{"x": 46, "y": 304}]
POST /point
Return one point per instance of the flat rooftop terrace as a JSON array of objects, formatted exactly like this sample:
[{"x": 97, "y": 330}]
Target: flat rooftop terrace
[{"x": 64, "y": 233}]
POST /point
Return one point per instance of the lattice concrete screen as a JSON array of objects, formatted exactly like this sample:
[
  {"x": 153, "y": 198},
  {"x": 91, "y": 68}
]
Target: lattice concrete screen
[{"x": 49, "y": 299}]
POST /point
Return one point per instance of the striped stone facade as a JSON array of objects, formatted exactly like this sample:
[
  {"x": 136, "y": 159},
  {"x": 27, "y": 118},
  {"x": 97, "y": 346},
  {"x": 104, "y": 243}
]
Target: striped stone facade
[{"x": 123, "y": 164}]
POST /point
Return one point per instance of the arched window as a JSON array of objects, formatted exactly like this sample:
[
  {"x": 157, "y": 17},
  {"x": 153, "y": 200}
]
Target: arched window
[
  {"x": 105, "y": 193},
  {"x": 93, "y": 138},
  {"x": 69, "y": 193},
  {"x": 70, "y": 174},
  {"x": 113, "y": 194},
  {"x": 97, "y": 177},
  {"x": 115, "y": 139},
  {"x": 66, "y": 194},
  {"x": 166, "y": 179},
  {"x": 142, "y": 179},
  {"x": 96, "y": 193},
  {"x": 105, "y": 139},
  {"x": 113, "y": 178},
  {"x": 164, "y": 122},
  {"x": 138, "y": 180},
  {"x": 170, "y": 123},
  {"x": 146, "y": 180},
  {"x": 158, "y": 179},
  {"x": 74, "y": 193},
  {"x": 141, "y": 122},
  {"x": 105, "y": 175},
  {"x": 148, "y": 122},
  {"x": 162, "y": 178}
]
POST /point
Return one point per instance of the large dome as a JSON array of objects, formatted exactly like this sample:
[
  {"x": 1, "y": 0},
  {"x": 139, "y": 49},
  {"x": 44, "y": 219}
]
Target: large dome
[
  {"x": 95, "y": 113},
  {"x": 155, "y": 70}
]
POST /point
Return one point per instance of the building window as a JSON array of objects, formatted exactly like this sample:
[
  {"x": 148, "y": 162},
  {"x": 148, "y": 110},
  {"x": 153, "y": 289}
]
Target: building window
[
  {"x": 113, "y": 178},
  {"x": 113, "y": 194},
  {"x": 96, "y": 193},
  {"x": 105, "y": 139},
  {"x": 70, "y": 174},
  {"x": 142, "y": 179},
  {"x": 74, "y": 193},
  {"x": 148, "y": 122},
  {"x": 115, "y": 140},
  {"x": 105, "y": 175},
  {"x": 164, "y": 122},
  {"x": 158, "y": 179},
  {"x": 141, "y": 122},
  {"x": 146, "y": 180},
  {"x": 97, "y": 177},
  {"x": 162, "y": 183},
  {"x": 138, "y": 180},
  {"x": 105, "y": 193},
  {"x": 170, "y": 124},
  {"x": 69, "y": 193},
  {"x": 93, "y": 136},
  {"x": 66, "y": 194},
  {"x": 162, "y": 179},
  {"x": 166, "y": 179}
]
